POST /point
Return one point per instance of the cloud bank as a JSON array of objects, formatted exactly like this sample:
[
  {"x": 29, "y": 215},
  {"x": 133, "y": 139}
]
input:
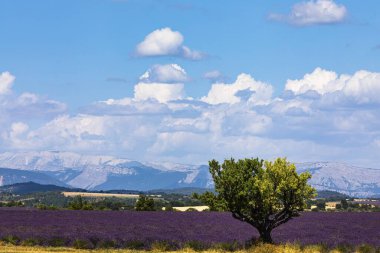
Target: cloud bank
[{"x": 322, "y": 115}]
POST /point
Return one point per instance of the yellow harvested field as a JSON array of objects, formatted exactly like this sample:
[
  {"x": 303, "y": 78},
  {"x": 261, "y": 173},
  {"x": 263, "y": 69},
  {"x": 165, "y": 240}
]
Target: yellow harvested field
[{"x": 99, "y": 195}]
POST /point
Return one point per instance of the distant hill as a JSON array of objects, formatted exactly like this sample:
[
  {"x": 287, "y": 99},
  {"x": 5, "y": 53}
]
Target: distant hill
[
  {"x": 10, "y": 176},
  {"x": 182, "y": 191},
  {"x": 32, "y": 187},
  {"x": 331, "y": 195},
  {"x": 122, "y": 192}
]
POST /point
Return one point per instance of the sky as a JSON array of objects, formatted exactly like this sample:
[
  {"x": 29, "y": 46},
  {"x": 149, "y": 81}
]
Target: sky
[{"x": 191, "y": 81}]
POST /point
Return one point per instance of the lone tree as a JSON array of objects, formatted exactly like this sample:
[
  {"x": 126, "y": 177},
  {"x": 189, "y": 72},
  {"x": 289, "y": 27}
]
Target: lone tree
[
  {"x": 263, "y": 194},
  {"x": 144, "y": 203}
]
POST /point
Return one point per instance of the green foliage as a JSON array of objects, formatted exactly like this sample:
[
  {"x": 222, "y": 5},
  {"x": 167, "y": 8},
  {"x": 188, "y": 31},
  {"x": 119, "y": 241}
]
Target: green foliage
[
  {"x": 11, "y": 239},
  {"x": 144, "y": 203},
  {"x": 82, "y": 244},
  {"x": 227, "y": 246},
  {"x": 56, "y": 242},
  {"x": 135, "y": 245},
  {"x": 195, "y": 245},
  {"x": 321, "y": 205},
  {"x": 169, "y": 208},
  {"x": 344, "y": 204},
  {"x": 32, "y": 242},
  {"x": 214, "y": 202},
  {"x": 113, "y": 204},
  {"x": 79, "y": 204},
  {"x": 161, "y": 246},
  {"x": 263, "y": 194},
  {"x": 45, "y": 207},
  {"x": 107, "y": 244},
  {"x": 12, "y": 203}
]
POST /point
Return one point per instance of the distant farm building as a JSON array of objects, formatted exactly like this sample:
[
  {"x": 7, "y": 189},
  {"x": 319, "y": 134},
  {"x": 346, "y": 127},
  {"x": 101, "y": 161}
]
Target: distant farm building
[{"x": 331, "y": 205}]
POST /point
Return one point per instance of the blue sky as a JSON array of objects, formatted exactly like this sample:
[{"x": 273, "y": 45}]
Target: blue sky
[{"x": 72, "y": 79}]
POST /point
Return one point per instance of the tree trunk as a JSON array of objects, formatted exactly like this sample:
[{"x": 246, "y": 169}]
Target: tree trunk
[{"x": 265, "y": 236}]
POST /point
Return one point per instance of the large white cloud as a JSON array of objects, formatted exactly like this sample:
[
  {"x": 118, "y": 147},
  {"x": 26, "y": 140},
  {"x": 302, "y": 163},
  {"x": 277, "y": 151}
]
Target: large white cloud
[
  {"x": 320, "y": 80},
  {"x": 165, "y": 41},
  {"x": 363, "y": 86},
  {"x": 245, "y": 88},
  {"x": 314, "y": 12}
]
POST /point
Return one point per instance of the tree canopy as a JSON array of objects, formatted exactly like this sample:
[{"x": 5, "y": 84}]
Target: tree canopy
[
  {"x": 262, "y": 193},
  {"x": 144, "y": 203}
]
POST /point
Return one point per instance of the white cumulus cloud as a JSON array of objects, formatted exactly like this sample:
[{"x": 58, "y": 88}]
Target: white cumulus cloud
[
  {"x": 245, "y": 88},
  {"x": 320, "y": 80},
  {"x": 169, "y": 73},
  {"x": 165, "y": 41},
  {"x": 162, "y": 92},
  {"x": 162, "y": 83},
  {"x": 6, "y": 81},
  {"x": 363, "y": 86},
  {"x": 314, "y": 12}
]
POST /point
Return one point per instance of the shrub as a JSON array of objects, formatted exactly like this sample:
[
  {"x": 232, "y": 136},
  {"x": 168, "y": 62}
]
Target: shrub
[
  {"x": 82, "y": 244},
  {"x": 365, "y": 249},
  {"x": 56, "y": 242},
  {"x": 162, "y": 246},
  {"x": 344, "y": 248},
  {"x": 94, "y": 240},
  {"x": 227, "y": 246},
  {"x": 195, "y": 245},
  {"x": 107, "y": 244},
  {"x": 31, "y": 242},
  {"x": 135, "y": 244},
  {"x": 144, "y": 203},
  {"x": 11, "y": 239}
]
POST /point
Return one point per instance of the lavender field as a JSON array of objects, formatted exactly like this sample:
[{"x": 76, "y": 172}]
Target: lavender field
[{"x": 180, "y": 227}]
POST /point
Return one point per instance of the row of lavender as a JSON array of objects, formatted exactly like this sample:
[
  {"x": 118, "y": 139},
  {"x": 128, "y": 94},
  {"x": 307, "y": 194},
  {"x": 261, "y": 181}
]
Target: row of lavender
[{"x": 122, "y": 228}]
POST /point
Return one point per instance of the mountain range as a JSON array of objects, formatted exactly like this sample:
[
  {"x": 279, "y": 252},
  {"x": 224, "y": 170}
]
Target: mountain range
[{"x": 91, "y": 172}]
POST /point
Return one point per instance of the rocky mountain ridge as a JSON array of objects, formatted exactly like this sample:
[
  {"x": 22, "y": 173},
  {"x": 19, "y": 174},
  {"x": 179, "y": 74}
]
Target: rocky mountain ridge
[{"x": 107, "y": 172}]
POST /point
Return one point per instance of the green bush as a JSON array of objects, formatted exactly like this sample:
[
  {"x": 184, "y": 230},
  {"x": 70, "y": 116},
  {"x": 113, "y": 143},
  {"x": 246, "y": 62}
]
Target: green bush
[
  {"x": 366, "y": 249},
  {"x": 195, "y": 245},
  {"x": 135, "y": 245},
  {"x": 145, "y": 203},
  {"x": 162, "y": 246},
  {"x": 107, "y": 244},
  {"x": 56, "y": 242},
  {"x": 32, "y": 242},
  {"x": 82, "y": 244},
  {"x": 227, "y": 246},
  {"x": 11, "y": 239},
  {"x": 344, "y": 248}
]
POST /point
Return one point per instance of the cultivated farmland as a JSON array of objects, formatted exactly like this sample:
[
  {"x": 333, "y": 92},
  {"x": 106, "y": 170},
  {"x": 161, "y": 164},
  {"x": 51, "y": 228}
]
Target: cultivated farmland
[{"x": 122, "y": 228}]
